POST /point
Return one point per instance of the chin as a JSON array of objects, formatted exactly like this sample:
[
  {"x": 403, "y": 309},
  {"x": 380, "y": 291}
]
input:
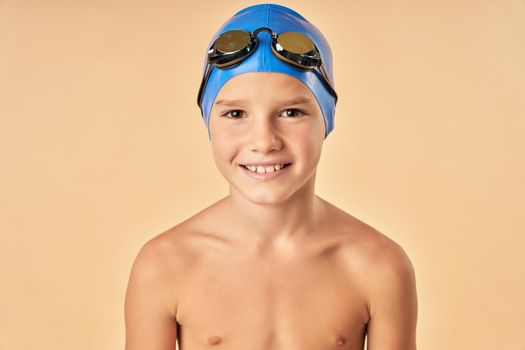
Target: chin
[
  {"x": 266, "y": 197},
  {"x": 263, "y": 196}
]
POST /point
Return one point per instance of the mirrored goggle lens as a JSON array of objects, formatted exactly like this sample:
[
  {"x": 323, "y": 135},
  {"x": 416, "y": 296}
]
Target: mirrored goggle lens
[
  {"x": 295, "y": 42},
  {"x": 232, "y": 41}
]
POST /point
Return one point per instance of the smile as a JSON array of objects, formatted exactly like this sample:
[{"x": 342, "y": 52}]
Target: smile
[{"x": 265, "y": 172}]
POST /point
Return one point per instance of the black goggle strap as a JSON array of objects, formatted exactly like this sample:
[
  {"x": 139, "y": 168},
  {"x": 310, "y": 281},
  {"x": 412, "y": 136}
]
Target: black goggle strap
[
  {"x": 328, "y": 81},
  {"x": 203, "y": 83}
]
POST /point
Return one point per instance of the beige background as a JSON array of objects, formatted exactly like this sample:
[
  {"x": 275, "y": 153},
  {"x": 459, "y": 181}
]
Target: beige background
[{"x": 102, "y": 147}]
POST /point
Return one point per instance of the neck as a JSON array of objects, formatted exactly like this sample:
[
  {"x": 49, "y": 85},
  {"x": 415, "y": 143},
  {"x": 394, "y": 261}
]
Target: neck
[{"x": 263, "y": 223}]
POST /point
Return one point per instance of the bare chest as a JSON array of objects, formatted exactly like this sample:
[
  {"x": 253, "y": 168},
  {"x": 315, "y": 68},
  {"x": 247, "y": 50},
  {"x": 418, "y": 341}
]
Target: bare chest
[{"x": 232, "y": 301}]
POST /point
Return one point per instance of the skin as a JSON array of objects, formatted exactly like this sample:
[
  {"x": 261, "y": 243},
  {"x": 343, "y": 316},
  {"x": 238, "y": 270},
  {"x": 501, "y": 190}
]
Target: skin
[{"x": 272, "y": 265}]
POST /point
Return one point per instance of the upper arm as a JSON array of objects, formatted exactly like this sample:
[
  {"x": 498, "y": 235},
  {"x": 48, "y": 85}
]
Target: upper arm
[
  {"x": 149, "y": 322},
  {"x": 392, "y": 302}
]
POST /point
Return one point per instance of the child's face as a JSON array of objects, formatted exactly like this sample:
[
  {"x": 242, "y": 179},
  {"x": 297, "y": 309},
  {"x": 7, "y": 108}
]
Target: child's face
[{"x": 265, "y": 124}]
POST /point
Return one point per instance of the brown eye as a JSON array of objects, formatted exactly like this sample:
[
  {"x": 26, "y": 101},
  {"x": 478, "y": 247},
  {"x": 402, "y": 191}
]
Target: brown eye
[
  {"x": 294, "y": 112},
  {"x": 233, "y": 114}
]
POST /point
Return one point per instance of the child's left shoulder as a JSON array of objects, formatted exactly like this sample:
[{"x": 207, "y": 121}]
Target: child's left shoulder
[{"x": 367, "y": 249}]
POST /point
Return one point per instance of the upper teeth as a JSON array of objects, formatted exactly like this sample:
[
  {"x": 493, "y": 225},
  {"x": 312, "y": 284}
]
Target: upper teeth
[{"x": 264, "y": 169}]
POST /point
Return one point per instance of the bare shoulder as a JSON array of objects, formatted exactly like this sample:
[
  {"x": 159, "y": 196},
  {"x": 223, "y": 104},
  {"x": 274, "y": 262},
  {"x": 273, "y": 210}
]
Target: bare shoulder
[
  {"x": 178, "y": 247},
  {"x": 386, "y": 270},
  {"x": 161, "y": 264},
  {"x": 148, "y": 279},
  {"x": 173, "y": 246},
  {"x": 374, "y": 251},
  {"x": 153, "y": 292},
  {"x": 365, "y": 242},
  {"x": 384, "y": 273},
  {"x": 379, "y": 264}
]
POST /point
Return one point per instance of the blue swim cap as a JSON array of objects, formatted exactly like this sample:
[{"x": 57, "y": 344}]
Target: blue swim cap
[{"x": 279, "y": 19}]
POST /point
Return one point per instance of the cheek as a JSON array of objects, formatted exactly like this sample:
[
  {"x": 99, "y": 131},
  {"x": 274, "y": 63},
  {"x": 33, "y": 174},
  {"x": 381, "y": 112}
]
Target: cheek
[
  {"x": 221, "y": 149},
  {"x": 307, "y": 146},
  {"x": 310, "y": 143},
  {"x": 224, "y": 150},
  {"x": 313, "y": 133},
  {"x": 314, "y": 128}
]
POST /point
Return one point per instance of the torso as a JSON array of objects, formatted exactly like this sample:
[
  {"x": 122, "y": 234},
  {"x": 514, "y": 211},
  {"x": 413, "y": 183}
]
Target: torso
[{"x": 311, "y": 296}]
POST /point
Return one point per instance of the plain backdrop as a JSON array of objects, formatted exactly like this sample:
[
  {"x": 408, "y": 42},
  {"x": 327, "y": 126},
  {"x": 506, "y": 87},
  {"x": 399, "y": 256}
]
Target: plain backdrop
[{"x": 102, "y": 147}]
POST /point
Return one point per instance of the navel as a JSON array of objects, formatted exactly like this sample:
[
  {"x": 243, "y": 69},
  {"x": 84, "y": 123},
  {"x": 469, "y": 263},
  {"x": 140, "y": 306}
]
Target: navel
[
  {"x": 340, "y": 341},
  {"x": 214, "y": 340}
]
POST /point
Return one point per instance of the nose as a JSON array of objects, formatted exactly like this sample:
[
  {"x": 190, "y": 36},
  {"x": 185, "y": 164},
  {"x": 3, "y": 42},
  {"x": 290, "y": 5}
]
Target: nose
[{"x": 263, "y": 136}]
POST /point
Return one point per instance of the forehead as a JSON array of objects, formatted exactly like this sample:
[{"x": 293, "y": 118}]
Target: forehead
[{"x": 264, "y": 86}]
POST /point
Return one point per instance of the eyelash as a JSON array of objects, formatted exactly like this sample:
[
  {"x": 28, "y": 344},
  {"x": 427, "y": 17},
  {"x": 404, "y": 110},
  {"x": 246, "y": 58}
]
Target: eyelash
[{"x": 300, "y": 111}]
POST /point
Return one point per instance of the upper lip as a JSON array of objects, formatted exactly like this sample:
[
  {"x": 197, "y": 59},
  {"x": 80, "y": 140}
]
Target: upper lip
[{"x": 266, "y": 163}]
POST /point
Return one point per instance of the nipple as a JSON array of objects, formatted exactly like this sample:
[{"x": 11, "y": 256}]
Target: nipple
[
  {"x": 214, "y": 340},
  {"x": 340, "y": 341}
]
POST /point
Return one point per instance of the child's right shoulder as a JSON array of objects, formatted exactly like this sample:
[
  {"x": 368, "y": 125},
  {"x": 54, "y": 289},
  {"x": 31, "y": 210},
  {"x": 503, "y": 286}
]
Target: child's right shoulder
[
  {"x": 189, "y": 240},
  {"x": 171, "y": 243},
  {"x": 162, "y": 264},
  {"x": 181, "y": 242}
]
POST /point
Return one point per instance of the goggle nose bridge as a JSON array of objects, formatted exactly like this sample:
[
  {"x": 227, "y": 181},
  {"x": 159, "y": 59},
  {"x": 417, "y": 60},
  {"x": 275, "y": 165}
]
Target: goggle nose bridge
[{"x": 272, "y": 33}]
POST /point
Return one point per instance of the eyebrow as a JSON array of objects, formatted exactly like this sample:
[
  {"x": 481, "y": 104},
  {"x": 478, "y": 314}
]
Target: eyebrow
[{"x": 293, "y": 101}]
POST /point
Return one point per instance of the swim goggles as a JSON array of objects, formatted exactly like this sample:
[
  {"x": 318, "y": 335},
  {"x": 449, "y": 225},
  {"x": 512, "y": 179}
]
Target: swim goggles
[{"x": 294, "y": 48}]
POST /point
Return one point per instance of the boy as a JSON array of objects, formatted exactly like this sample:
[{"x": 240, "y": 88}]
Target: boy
[{"x": 272, "y": 265}]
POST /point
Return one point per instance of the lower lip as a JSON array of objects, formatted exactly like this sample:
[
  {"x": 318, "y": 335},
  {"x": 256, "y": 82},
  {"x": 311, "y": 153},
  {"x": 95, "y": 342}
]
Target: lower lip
[{"x": 265, "y": 176}]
